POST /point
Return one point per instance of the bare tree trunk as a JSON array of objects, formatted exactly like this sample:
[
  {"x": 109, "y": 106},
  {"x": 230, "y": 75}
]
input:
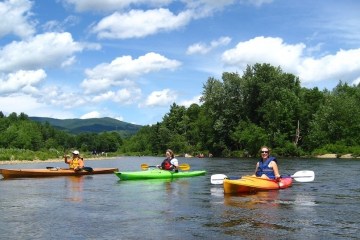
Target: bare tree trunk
[{"x": 297, "y": 134}]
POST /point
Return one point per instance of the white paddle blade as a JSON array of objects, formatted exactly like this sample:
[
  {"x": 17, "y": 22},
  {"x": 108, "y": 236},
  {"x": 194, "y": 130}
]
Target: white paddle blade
[
  {"x": 304, "y": 176},
  {"x": 217, "y": 178}
]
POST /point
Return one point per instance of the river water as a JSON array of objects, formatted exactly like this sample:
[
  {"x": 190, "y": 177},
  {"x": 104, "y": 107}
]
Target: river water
[{"x": 103, "y": 207}]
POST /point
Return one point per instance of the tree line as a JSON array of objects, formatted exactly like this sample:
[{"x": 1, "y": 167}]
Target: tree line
[
  {"x": 24, "y": 139},
  {"x": 263, "y": 106}
]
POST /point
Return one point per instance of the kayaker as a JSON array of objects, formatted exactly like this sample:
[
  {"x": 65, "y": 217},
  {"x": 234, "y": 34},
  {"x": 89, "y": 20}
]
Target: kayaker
[
  {"x": 170, "y": 162},
  {"x": 76, "y": 163},
  {"x": 267, "y": 166}
]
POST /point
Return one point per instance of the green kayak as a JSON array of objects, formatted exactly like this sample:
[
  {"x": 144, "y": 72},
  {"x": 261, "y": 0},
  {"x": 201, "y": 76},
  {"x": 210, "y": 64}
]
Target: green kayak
[{"x": 157, "y": 174}]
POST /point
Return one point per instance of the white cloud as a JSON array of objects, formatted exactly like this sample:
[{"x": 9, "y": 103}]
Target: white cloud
[
  {"x": 204, "y": 7},
  {"x": 264, "y": 50},
  {"x": 188, "y": 103},
  {"x": 55, "y": 96},
  {"x": 127, "y": 96},
  {"x": 24, "y": 81},
  {"x": 29, "y": 105},
  {"x": 343, "y": 65},
  {"x": 257, "y": 3},
  {"x": 15, "y": 18},
  {"x": 19, "y": 103},
  {"x": 93, "y": 114},
  {"x": 110, "y": 5},
  {"x": 356, "y": 81},
  {"x": 121, "y": 69},
  {"x": 103, "y": 97},
  {"x": 161, "y": 98},
  {"x": 91, "y": 85},
  {"x": 139, "y": 23},
  {"x": 202, "y": 48},
  {"x": 68, "y": 62},
  {"x": 123, "y": 96},
  {"x": 44, "y": 50},
  {"x": 57, "y": 26}
]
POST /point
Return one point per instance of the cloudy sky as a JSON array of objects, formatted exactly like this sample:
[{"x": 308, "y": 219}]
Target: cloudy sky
[{"x": 131, "y": 59}]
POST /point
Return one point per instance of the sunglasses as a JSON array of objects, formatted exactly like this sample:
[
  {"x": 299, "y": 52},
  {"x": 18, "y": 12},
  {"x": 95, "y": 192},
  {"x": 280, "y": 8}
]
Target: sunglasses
[{"x": 264, "y": 151}]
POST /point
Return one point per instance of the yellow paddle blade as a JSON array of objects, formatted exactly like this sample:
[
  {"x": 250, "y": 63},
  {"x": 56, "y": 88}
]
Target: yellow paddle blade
[
  {"x": 145, "y": 166},
  {"x": 184, "y": 167}
]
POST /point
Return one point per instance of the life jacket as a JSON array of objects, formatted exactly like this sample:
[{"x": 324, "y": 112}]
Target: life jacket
[
  {"x": 166, "y": 164},
  {"x": 265, "y": 169},
  {"x": 74, "y": 163}
]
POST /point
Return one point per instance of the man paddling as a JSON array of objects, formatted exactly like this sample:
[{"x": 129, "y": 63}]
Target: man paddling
[{"x": 76, "y": 163}]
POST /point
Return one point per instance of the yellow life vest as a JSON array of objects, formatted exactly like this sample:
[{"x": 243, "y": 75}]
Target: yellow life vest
[{"x": 75, "y": 162}]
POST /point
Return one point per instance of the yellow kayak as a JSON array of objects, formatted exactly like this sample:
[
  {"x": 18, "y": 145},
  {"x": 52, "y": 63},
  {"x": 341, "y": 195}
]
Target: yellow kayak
[{"x": 248, "y": 184}]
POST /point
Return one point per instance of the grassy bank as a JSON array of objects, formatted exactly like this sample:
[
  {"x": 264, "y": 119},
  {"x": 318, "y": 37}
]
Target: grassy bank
[{"x": 10, "y": 156}]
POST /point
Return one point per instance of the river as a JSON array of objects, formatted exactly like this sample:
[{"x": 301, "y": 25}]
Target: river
[{"x": 103, "y": 207}]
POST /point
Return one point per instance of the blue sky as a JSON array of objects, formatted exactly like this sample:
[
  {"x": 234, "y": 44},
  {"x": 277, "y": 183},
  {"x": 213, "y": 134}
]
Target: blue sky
[{"x": 131, "y": 59}]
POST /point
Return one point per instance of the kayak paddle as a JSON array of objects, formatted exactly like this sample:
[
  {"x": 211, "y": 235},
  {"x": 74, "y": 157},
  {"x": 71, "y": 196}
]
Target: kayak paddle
[
  {"x": 217, "y": 178},
  {"x": 183, "y": 166},
  {"x": 300, "y": 176},
  {"x": 304, "y": 176},
  {"x": 87, "y": 169}
]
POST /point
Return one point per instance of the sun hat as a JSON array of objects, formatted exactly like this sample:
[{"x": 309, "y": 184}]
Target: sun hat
[{"x": 76, "y": 152}]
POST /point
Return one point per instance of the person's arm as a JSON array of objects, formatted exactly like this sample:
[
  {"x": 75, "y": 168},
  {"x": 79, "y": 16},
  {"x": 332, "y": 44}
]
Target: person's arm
[
  {"x": 160, "y": 166},
  {"x": 276, "y": 169},
  {"x": 81, "y": 162},
  {"x": 256, "y": 168},
  {"x": 66, "y": 159},
  {"x": 175, "y": 163}
]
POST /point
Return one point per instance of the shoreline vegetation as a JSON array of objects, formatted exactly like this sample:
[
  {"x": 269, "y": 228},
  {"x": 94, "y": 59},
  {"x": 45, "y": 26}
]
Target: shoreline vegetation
[{"x": 5, "y": 162}]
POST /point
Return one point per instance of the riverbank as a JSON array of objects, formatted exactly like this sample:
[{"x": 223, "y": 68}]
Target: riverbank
[
  {"x": 335, "y": 156},
  {"x": 51, "y": 160}
]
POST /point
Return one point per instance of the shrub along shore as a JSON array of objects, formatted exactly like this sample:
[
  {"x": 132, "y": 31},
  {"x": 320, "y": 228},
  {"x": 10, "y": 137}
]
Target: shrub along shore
[{"x": 50, "y": 160}]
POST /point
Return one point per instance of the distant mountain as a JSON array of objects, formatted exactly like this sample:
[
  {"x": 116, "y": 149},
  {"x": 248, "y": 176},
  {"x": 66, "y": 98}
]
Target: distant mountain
[{"x": 91, "y": 125}]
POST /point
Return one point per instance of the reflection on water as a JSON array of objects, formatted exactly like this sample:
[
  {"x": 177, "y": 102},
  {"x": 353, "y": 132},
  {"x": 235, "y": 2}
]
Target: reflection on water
[
  {"x": 299, "y": 200},
  {"x": 171, "y": 186},
  {"x": 74, "y": 186},
  {"x": 266, "y": 199},
  {"x": 252, "y": 215},
  {"x": 266, "y": 213},
  {"x": 217, "y": 191}
]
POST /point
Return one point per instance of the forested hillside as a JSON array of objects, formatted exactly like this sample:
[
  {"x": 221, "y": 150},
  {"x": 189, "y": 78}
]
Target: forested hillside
[
  {"x": 264, "y": 106},
  {"x": 91, "y": 125},
  {"x": 24, "y": 139}
]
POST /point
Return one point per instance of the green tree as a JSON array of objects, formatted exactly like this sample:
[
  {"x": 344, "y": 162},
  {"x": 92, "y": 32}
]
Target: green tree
[
  {"x": 271, "y": 100},
  {"x": 338, "y": 120},
  {"x": 311, "y": 101},
  {"x": 250, "y": 137}
]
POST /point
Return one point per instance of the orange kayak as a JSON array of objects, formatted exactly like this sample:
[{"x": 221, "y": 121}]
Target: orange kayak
[
  {"x": 52, "y": 172},
  {"x": 248, "y": 184}
]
